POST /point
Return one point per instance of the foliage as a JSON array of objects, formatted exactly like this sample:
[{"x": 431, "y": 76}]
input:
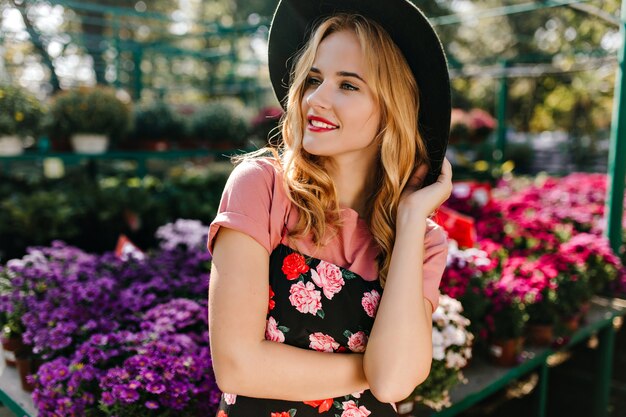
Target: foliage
[
  {"x": 157, "y": 121},
  {"x": 89, "y": 110},
  {"x": 265, "y": 122},
  {"x": 11, "y": 303},
  {"x": 221, "y": 120},
  {"x": 77, "y": 209},
  {"x": 21, "y": 113},
  {"x": 506, "y": 317}
]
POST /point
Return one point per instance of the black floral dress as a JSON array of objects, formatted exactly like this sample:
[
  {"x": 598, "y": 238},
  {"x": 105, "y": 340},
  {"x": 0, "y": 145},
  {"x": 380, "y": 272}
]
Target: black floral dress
[{"x": 315, "y": 305}]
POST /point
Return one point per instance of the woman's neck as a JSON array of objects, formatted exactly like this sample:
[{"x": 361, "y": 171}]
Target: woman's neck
[{"x": 354, "y": 182}]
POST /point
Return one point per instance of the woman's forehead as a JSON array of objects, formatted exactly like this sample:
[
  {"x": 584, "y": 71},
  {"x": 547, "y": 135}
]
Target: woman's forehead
[{"x": 340, "y": 52}]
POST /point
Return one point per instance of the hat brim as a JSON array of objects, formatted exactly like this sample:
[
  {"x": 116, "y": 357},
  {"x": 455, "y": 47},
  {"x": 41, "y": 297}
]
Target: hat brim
[{"x": 408, "y": 28}]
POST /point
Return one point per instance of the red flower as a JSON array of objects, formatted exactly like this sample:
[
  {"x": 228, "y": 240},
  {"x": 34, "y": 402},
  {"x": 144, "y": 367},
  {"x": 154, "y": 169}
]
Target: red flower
[
  {"x": 221, "y": 413},
  {"x": 294, "y": 265},
  {"x": 271, "y": 304},
  {"x": 324, "y": 405},
  {"x": 283, "y": 414}
]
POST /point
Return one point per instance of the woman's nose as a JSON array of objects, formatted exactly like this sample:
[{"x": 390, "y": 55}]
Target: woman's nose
[{"x": 319, "y": 97}]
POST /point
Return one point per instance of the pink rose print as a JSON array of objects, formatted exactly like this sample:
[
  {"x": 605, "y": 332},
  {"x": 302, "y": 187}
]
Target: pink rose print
[
  {"x": 328, "y": 277},
  {"x": 370, "y": 302},
  {"x": 350, "y": 409},
  {"x": 357, "y": 394},
  {"x": 305, "y": 298},
  {"x": 272, "y": 332},
  {"x": 357, "y": 342},
  {"x": 230, "y": 399},
  {"x": 322, "y": 342}
]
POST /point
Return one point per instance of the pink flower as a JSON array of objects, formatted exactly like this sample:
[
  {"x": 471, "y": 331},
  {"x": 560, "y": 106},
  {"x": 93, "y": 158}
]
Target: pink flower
[
  {"x": 370, "y": 302},
  {"x": 305, "y": 298},
  {"x": 357, "y": 342},
  {"x": 328, "y": 277},
  {"x": 230, "y": 399},
  {"x": 272, "y": 332},
  {"x": 322, "y": 342},
  {"x": 350, "y": 409}
]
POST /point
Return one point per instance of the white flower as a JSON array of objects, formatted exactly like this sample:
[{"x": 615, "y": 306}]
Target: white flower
[
  {"x": 455, "y": 360},
  {"x": 437, "y": 337},
  {"x": 438, "y": 353},
  {"x": 453, "y": 336}
]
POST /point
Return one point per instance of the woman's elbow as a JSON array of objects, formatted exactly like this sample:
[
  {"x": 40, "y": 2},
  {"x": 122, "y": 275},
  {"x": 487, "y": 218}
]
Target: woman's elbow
[
  {"x": 229, "y": 370},
  {"x": 393, "y": 390}
]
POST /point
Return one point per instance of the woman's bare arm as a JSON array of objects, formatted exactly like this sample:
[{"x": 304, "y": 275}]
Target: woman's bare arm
[
  {"x": 399, "y": 350},
  {"x": 244, "y": 362}
]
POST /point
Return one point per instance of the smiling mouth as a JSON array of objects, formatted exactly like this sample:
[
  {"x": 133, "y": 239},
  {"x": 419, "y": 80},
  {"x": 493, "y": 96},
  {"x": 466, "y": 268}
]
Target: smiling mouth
[{"x": 317, "y": 124}]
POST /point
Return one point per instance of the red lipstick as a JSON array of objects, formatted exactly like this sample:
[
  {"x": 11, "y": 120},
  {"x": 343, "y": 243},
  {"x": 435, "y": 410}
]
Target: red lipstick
[{"x": 320, "y": 128}]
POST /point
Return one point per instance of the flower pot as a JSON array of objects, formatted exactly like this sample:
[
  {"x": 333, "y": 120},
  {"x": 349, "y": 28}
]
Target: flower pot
[
  {"x": 584, "y": 310},
  {"x": 11, "y": 347},
  {"x": 154, "y": 145},
  {"x": 27, "y": 366},
  {"x": 506, "y": 352},
  {"x": 572, "y": 323},
  {"x": 540, "y": 334},
  {"x": 90, "y": 143},
  {"x": 11, "y": 146}
]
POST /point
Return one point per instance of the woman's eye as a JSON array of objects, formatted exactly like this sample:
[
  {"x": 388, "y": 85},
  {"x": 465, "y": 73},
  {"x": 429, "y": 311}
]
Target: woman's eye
[
  {"x": 348, "y": 86},
  {"x": 313, "y": 81}
]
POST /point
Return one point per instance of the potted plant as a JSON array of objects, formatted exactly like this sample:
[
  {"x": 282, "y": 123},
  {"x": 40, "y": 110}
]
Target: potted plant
[
  {"x": 506, "y": 319},
  {"x": 452, "y": 348},
  {"x": 464, "y": 279},
  {"x": 459, "y": 126},
  {"x": 89, "y": 117},
  {"x": 21, "y": 115},
  {"x": 156, "y": 125},
  {"x": 221, "y": 124},
  {"x": 536, "y": 281},
  {"x": 12, "y": 308},
  {"x": 481, "y": 125}
]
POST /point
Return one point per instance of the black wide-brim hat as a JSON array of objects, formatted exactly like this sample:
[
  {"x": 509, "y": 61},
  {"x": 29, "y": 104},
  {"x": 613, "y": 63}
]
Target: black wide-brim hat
[{"x": 407, "y": 26}]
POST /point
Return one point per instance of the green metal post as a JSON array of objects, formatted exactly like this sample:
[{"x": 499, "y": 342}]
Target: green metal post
[
  {"x": 138, "y": 86},
  {"x": 542, "y": 401},
  {"x": 603, "y": 368},
  {"x": 116, "y": 43},
  {"x": 503, "y": 93},
  {"x": 617, "y": 153}
]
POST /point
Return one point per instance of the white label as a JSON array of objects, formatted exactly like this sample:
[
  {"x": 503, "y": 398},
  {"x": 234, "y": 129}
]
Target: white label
[
  {"x": 10, "y": 356},
  {"x": 495, "y": 350}
]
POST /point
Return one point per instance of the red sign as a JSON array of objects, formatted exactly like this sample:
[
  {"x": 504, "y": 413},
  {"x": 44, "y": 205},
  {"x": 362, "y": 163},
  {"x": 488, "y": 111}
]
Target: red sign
[
  {"x": 126, "y": 249},
  {"x": 459, "y": 226}
]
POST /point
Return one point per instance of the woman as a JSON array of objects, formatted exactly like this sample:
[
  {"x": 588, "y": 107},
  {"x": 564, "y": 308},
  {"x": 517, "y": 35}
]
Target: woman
[{"x": 339, "y": 213}]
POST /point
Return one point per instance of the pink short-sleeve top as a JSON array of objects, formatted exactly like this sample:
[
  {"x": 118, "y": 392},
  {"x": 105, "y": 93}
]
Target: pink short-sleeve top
[{"x": 255, "y": 202}]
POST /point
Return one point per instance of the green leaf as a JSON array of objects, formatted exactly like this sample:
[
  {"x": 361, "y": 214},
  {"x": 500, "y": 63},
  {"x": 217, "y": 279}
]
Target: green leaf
[
  {"x": 320, "y": 313},
  {"x": 348, "y": 274}
]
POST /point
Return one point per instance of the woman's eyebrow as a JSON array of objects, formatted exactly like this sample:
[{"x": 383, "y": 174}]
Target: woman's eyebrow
[{"x": 340, "y": 73}]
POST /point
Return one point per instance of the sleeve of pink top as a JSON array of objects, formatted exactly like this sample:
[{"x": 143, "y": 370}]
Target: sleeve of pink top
[
  {"x": 246, "y": 203},
  {"x": 435, "y": 257}
]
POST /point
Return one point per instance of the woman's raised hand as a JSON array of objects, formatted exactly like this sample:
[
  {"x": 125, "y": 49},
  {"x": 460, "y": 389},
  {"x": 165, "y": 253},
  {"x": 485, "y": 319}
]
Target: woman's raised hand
[{"x": 422, "y": 202}]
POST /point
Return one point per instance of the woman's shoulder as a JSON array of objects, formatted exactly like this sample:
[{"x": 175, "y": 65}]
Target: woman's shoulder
[{"x": 257, "y": 165}]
